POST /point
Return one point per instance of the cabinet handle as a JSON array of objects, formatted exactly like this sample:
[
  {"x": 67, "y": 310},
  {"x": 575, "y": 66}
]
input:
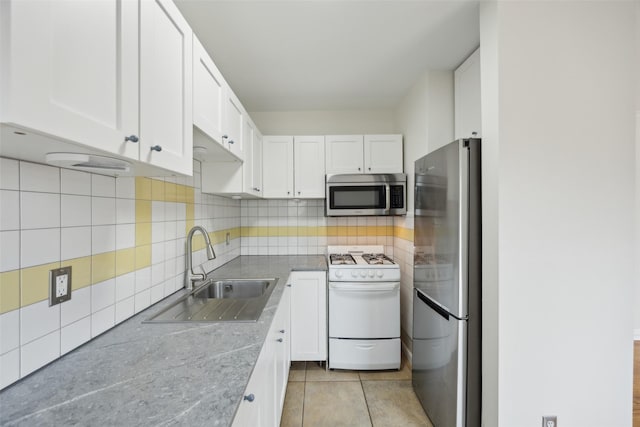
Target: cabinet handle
[
  {"x": 369, "y": 168},
  {"x": 288, "y": 285},
  {"x": 299, "y": 193},
  {"x": 156, "y": 148},
  {"x": 288, "y": 192},
  {"x": 281, "y": 331},
  {"x": 231, "y": 141},
  {"x": 225, "y": 137},
  {"x": 131, "y": 138},
  {"x": 279, "y": 340},
  {"x": 256, "y": 189},
  {"x": 358, "y": 168},
  {"x": 250, "y": 397}
]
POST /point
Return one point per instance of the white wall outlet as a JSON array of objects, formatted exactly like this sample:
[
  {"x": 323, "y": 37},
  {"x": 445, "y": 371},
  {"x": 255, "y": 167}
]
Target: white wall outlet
[
  {"x": 549, "y": 421},
  {"x": 60, "y": 285}
]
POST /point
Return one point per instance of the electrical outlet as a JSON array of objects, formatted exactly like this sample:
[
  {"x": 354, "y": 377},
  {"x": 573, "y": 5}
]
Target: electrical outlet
[
  {"x": 60, "y": 285},
  {"x": 549, "y": 421}
]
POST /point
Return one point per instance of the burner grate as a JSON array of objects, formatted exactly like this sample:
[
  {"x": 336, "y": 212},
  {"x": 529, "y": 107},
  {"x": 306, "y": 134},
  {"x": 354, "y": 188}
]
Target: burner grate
[
  {"x": 377, "y": 259},
  {"x": 341, "y": 259}
]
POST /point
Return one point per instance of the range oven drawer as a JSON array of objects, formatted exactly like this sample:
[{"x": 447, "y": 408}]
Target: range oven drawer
[{"x": 364, "y": 354}]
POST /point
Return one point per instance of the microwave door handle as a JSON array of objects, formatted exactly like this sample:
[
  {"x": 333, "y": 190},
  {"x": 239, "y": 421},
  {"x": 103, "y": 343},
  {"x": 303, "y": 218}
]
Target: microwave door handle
[{"x": 387, "y": 189}]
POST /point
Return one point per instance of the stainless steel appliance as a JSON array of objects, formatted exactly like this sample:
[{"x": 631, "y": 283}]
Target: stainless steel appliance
[
  {"x": 364, "y": 308},
  {"x": 447, "y": 284},
  {"x": 366, "y": 194}
]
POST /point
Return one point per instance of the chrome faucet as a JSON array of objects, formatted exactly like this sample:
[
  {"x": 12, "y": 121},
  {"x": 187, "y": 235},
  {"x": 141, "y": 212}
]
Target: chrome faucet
[{"x": 190, "y": 276}]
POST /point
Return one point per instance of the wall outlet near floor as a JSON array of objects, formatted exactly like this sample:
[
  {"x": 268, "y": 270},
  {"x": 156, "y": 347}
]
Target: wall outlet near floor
[
  {"x": 60, "y": 285},
  {"x": 549, "y": 421}
]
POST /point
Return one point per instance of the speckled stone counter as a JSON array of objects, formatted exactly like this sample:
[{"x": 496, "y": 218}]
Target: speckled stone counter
[{"x": 140, "y": 374}]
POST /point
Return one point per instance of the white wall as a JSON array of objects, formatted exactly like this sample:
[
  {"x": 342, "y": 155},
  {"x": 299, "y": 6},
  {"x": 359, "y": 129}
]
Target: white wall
[
  {"x": 558, "y": 81},
  {"x": 323, "y": 122}
]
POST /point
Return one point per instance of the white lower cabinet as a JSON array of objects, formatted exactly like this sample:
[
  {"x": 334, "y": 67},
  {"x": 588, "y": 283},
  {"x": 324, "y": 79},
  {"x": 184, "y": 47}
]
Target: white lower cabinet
[
  {"x": 264, "y": 396},
  {"x": 308, "y": 315}
]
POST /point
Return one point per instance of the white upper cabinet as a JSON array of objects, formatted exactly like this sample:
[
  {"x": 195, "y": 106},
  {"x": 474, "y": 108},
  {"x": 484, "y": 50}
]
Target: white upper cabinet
[
  {"x": 166, "y": 73},
  {"x": 344, "y": 154},
  {"x": 70, "y": 71},
  {"x": 277, "y": 167},
  {"x": 234, "y": 115},
  {"x": 256, "y": 163},
  {"x": 208, "y": 94},
  {"x": 309, "y": 170},
  {"x": 293, "y": 166},
  {"x": 364, "y": 154},
  {"x": 467, "y": 98},
  {"x": 110, "y": 77}
]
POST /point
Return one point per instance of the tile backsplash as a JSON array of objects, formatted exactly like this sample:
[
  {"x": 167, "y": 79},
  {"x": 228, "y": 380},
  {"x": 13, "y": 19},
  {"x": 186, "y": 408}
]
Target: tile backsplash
[
  {"x": 123, "y": 237},
  {"x": 125, "y": 241}
]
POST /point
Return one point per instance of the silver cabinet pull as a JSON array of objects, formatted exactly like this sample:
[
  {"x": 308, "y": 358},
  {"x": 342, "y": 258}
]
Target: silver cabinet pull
[
  {"x": 369, "y": 168},
  {"x": 156, "y": 148},
  {"x": 231, "y": 141},
  {"x": 358, "y": 168},
  {"x": 256, "y": 189},
  {"x": 281, "y": 331},
  {"x": 225, "y": 136},
  {"x": 131, "y": 138},
  {"x": 299, "y": 193},
  {"x": 250, "y": 397},
  {"x": 279, "y": 340}
]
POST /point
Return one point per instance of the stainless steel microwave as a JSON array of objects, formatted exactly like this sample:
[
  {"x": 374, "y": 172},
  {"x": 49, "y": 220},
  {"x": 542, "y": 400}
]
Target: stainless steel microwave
[{"x": 366, "y": 194}]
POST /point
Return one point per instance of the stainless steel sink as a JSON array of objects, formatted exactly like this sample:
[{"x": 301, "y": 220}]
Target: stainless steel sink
[
  {"x": 234, "y": 288},
  {"x": 220, "y": 300}
]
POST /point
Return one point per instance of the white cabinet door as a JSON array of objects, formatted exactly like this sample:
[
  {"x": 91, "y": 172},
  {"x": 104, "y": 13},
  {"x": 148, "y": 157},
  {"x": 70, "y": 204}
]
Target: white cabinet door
[
  {"x": 282, "y": 354},
  {"x": 256, "y": 153},
  {"x": 208, "y": 94},
  {"x": 383, "y": 154},
  {"x": 166, "y": 108},
  {"x": 257, "y": 399},
  {"x": 309, "y": 177},
  {"x": 467, "y": 98},
  {"x": 277, "y": 166},
  {"x": 344, "y": 154},
  {"x": 308, "y": 315},
  {"x": 70, "y": 71},
  {"x": 234, "y": 119}
]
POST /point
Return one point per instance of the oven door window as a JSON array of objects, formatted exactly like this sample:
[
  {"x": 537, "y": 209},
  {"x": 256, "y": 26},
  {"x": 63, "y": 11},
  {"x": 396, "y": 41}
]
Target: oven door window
[{"x": 357, "y": 197}]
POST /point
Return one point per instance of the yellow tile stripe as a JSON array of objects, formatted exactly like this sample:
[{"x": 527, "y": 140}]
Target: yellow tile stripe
[
  {"x": 311, "y": 231},
  {"x": 403, "y": 233}
]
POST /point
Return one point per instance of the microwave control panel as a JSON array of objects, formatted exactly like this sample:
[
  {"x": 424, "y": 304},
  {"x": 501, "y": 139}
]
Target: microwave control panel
[{"x": 397, "y": 196}]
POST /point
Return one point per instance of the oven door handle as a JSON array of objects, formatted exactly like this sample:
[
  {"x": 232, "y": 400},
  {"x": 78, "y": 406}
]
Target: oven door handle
[{"x": 360, "y": 287}]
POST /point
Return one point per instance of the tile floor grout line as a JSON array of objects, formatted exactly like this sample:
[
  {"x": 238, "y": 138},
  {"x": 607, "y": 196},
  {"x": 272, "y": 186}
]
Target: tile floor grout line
[{"x": 366, "y": 402}]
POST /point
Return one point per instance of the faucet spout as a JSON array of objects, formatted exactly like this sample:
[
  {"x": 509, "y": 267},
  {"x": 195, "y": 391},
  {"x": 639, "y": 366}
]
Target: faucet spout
[{"x": 190, "y": 276}]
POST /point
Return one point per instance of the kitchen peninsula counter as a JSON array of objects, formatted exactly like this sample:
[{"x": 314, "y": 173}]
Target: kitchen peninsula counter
[{"x": 155, "y": 373}]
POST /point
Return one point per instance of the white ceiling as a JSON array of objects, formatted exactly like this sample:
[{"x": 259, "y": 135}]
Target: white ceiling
[{"x": 331, "y": 55}]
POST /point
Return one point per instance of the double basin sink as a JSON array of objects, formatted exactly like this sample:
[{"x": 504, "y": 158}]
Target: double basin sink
[{"x": 220, "y": 300}]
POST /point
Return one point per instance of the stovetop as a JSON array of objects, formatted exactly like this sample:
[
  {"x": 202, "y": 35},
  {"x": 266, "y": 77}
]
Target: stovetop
[{"x": 361, "y": 264}]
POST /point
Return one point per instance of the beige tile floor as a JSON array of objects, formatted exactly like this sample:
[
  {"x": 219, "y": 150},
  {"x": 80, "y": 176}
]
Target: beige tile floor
[{"x": 317, "y": 397}]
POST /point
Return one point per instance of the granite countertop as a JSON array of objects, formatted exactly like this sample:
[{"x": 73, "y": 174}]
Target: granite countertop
[{"x": 155, "y": 373}]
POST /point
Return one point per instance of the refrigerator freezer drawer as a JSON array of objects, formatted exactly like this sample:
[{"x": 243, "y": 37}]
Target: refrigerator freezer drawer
[{"x": 364, "y": 354}]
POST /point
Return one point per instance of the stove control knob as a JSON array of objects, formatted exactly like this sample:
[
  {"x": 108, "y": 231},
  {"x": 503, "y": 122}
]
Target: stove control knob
[
  {"x": 372, "y": 273},
  {"x": 354, "y": 273},
  {"x": 363, "y": 273},
  {"x": 339, "y": 273},
  {"x": 379, "y": 273}
]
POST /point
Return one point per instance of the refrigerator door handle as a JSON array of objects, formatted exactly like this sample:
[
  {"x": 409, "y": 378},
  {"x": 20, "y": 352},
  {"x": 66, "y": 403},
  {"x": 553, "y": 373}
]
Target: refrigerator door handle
[{"x": 437, "y": 307}]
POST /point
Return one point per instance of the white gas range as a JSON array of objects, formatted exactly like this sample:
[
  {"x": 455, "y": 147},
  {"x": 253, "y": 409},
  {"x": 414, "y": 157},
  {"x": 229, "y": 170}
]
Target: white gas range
[{"x": 364, "y": 308}]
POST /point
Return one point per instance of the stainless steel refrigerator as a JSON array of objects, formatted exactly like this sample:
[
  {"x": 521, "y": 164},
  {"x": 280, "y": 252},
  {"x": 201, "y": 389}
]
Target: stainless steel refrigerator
[{"x": 447, "y": 284}]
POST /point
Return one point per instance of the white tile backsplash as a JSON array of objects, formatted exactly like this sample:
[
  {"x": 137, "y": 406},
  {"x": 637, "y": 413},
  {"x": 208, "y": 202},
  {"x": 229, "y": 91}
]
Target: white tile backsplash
[
  {"x": 124, "y": 309},
  {"x": 9, "y": 331},
  {"x": 103, "y": 294},
  {"x": 103, "y": 210},
  {"x": 125, "y": 286},
  {"x": 125, "y": 211},
  {"x": 39, "y": 246},
  {"x": 9, "y": 210},
  {"x": 75, "y": 210},
  {"x": 77, "y": 307},
  {"x": 75, "y": 242},
  {"x": 142, "y": 300},
  {"x": 125, "y": 236},
  {"x": 39, "y": 210},
  {"x": 75, "y": 334},
  {"x": 9, "y": 174},
  {"x": 10, "y": 371},
  {"x": 126, "y": 187},
  {"x": 41, "y": 178},
  {"x": 103, "y": 320},
  {"x": 103, "y": 186},
  {"x": 37, "y": 320},
  {"x": 103, "y": 239},
  {"x": 9, "y": 250},
  {"x": 143, "y": 279},
  {"x": 75, "y": 182}
]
